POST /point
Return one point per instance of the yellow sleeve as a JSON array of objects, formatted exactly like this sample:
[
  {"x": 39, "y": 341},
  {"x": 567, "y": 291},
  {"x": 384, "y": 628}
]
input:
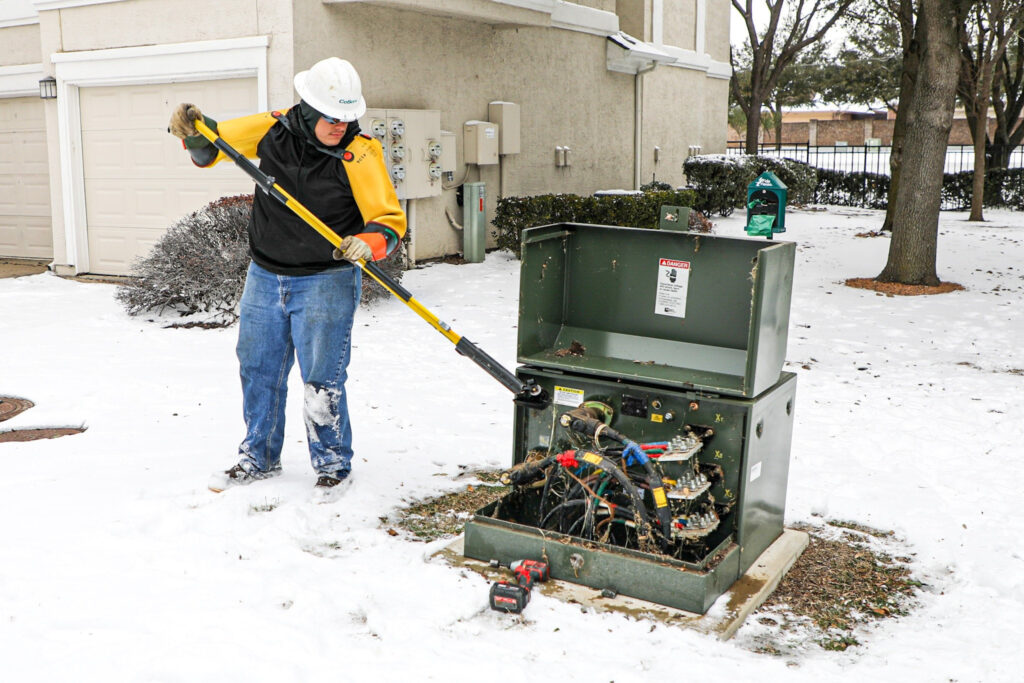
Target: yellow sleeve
[
  {"x": 371, "y": 187},
  {"x": 244, "y": 133}
]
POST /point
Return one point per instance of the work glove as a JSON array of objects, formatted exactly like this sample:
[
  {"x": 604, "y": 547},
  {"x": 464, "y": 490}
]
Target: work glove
[
  {"x": 181, "y": 125},
  {"x": 352, "y": 249}
]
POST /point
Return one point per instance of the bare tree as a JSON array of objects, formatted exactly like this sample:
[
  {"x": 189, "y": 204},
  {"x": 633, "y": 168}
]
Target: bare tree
[
  {"x": 985, "y": 35},
  {"x": 798, "y": 84},
  {"x": 1008, "y": 104},
  {"x": 785, "y": 36},
  {"x": 929, "y": 118}
]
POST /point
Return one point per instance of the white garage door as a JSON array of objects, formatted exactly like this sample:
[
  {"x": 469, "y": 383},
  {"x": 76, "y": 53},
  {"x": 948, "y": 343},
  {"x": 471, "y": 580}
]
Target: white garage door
[
  {"x": 138, "y": 179},
  {"x": 25, "y": 230}
]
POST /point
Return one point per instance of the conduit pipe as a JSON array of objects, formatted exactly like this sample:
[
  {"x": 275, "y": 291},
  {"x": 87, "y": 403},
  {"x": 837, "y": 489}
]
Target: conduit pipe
[{"x": 638, "y": 118}]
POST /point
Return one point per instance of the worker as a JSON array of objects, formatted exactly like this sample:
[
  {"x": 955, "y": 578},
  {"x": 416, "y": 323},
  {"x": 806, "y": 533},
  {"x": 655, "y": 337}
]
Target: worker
[{"x": 300, "y": 293}]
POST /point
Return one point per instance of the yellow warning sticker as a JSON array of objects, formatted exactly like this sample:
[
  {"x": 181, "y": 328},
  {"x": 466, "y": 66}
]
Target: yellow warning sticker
[
  {"x": 657, "y": 417},
  {"x": 659, "y": 498},
  {"x": 567, "y": 396}
]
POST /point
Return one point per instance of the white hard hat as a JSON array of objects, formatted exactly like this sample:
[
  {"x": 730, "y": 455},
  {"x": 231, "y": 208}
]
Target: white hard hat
[{"x": 332, "y": 87}]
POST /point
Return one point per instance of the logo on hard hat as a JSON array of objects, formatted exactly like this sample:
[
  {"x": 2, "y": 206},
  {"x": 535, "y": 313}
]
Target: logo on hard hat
[{"x": 347, "y": 101}]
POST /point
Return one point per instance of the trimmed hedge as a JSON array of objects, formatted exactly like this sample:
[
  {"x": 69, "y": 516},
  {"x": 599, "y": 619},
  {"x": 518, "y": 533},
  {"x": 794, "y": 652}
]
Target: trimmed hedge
[
  {"x": 515, "y": 214},
  {"x": 721, "y": 180},
  {"x": 867, "y": 190},
  {"x": 721, "y": 184},
  {"x": 1003, "y": 187}
]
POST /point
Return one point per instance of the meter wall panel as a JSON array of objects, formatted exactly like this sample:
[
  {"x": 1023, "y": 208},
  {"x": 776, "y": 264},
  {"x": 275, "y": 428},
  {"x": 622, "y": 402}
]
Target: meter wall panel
[{"x": 411, "y": 140}]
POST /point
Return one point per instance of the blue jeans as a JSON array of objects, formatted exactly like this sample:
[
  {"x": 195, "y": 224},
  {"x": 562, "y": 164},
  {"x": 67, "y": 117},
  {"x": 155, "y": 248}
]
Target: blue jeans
[{"x": 309, "y": 317}]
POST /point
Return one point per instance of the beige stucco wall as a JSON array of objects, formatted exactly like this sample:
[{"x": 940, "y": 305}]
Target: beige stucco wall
[
  {"x": 19, "y": 45},
  {"x": 151, "y": 22},
  {"x": 682, "y": 107},
  {"x": 716, "y": 41},
  {"x": 559, "y": 78},
  {"x": 156, "y": 22},
  {"x": 634, "y": 17},
  {"x": 679, "y": 24}
]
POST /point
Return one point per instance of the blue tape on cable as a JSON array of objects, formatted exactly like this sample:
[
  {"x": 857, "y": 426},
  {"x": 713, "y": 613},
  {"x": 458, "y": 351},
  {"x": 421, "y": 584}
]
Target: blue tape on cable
[{"x": 634, "y": 455}]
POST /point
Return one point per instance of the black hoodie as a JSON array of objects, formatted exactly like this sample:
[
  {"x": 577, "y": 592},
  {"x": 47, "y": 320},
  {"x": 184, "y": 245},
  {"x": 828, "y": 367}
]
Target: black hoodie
[{"x": 314, "y": 174}]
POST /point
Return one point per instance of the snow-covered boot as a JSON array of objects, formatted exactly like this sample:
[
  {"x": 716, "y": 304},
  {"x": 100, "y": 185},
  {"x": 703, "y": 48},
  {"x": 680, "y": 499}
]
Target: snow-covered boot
[
  {"x": 239, "y": 476},
  {"x": 329, "y": 488}
]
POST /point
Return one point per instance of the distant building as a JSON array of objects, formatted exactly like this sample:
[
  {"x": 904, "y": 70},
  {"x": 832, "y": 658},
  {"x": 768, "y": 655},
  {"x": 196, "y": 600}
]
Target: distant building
[{"x": 828, "y": 127}]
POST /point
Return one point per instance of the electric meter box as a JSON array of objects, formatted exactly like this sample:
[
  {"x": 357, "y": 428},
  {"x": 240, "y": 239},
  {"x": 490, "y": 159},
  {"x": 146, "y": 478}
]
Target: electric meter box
[
  {"x": 506, "y": 115},
  {"x": 480, "y": 142},
  {"x": 411, "y": 142},
  {"x": 673, "y": 334},
  {"x": 677, "y": 309}
]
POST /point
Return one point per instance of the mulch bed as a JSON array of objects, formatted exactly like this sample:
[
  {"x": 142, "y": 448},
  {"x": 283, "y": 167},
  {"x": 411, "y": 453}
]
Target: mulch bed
[
  {"x": 36, "y": 434},
  {"x": 10, "y": 406},
  {"x": 897, "y": 289}
]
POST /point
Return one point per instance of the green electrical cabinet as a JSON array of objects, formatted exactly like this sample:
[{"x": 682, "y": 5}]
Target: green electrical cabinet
[
  {"x": 672, "y": 330},
  {"x": 766, "y": 205}
]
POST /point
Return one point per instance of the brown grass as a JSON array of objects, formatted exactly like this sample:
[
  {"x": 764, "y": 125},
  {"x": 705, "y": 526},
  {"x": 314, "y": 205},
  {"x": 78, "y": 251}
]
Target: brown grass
[
  {"x": 445, "y": 515},
  {"x": 839, "y": 584}
]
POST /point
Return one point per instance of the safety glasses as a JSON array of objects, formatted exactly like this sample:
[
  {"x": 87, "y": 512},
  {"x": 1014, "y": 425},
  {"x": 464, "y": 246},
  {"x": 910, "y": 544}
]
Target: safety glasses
[{"x": 330, "y": 119}]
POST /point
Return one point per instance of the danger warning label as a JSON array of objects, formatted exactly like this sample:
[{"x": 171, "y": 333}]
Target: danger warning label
[{"x": 673, "y": 281}]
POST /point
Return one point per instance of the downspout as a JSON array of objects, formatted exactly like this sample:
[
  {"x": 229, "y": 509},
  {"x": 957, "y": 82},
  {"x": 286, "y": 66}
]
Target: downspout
[{"x": 638, "y": 92}]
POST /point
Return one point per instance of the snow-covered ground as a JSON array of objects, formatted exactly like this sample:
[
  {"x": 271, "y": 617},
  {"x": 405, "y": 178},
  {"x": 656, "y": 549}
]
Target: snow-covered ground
[{"x": 116, "y": 563}]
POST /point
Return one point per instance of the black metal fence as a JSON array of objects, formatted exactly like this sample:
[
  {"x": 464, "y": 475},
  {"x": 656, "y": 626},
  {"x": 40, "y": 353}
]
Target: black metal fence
[{"x": 864, "y": 158}]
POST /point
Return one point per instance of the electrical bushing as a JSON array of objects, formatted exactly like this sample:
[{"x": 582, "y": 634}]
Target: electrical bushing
[{"x": 766, "y": 206}]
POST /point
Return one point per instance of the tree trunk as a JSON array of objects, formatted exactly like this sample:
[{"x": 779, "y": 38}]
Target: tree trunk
[
  {"x": 999, "y": 151},
  {"x": 753, "y": 126},
  {"x": 978, "y": 182},
  {"x": 908, "y": 80},
  {"x": 913, "y": 246},
  {"x": 777, "y": 120},
  {"x": 980, "y": 138}
]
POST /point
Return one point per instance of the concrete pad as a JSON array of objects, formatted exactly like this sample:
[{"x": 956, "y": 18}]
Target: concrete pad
[{"x": 723, "y": 619}]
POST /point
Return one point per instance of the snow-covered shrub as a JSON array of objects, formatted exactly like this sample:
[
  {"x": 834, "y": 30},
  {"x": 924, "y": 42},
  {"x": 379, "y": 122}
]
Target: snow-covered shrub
[
  {"x": 637, "y": 210},
  {"x": 721, "y": 180},
  {"x": 198, "y": 267}
]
